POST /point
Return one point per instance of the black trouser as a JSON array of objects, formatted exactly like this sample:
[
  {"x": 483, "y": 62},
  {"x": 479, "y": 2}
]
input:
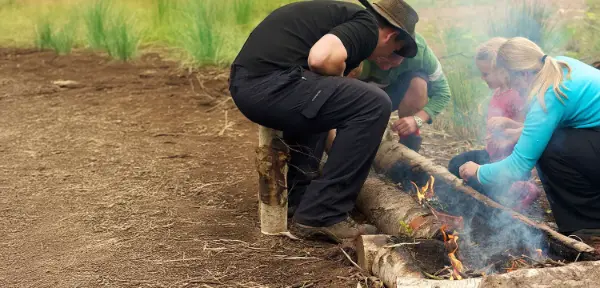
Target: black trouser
[
  {"x": 305, "y": 106},
  {"x": 570, "y": 172},
  {"x": 480, "y": 157}
]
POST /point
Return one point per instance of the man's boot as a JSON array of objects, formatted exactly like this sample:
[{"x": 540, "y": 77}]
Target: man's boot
[{"x": 345, "y": 230}]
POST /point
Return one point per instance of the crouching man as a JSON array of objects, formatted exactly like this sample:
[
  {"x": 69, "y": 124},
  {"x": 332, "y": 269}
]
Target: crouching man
[
  {"x": 418, "y": 90},
  {"x": 288, "y": 76}
]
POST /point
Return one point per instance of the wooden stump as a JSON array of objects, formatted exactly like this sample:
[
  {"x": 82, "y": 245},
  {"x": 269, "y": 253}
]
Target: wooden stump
[{"x": 272, "y": 156}]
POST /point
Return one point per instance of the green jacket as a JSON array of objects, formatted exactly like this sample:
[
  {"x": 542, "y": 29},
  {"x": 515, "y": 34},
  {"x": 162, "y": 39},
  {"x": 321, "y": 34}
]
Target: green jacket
[{"x": 425, "y": 61}]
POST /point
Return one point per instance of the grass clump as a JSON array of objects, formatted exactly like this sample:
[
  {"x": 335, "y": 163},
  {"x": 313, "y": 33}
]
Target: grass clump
[
  {"x": 243, "y": 11},
  {"x": 110, "y": 31},
  {"x": 121, "y": 41},
  {"x": 95, "y": 23},
  {"x": 464, "y": 115},
  {"x": 199, "y": 35},
  {"x": 60, "y": 40},
  {"x": 532, "y": 19}
]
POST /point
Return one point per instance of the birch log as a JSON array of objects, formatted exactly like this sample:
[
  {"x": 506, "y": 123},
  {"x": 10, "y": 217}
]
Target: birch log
[
  {"x": 272, "y": 156},
  {"x": 394, "y": 270},
  {"x": 583, "y": 274},
  {"x": 394, "y": 267},
  {"x": 391, "y": 152},
  {"x": 394, "y": 212}
]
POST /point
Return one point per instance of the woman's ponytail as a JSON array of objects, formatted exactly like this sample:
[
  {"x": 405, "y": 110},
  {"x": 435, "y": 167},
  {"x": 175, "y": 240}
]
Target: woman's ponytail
[
  {"x": 550, "y": 75},
  {"x": 522, "y": 55}
]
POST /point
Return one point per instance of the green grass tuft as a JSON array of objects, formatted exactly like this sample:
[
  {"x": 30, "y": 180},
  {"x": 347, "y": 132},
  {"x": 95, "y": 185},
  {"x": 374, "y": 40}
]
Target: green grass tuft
[
  {"x": 243, "y": 11},
  {"x": 43, "y": 34},
  {"x": 95, "y": 23},
  {"x": 109, "y": 30},
  {"x": 162, "y": 10},
  {"x": 64, "y": 38},
  {"x": 60, "y": 40},
  {"x": 199, "y": 35},
  {"x": 121, "y": 41}
]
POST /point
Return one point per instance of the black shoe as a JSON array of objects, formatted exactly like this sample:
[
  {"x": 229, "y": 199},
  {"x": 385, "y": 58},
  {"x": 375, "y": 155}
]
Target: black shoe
[{"x": 339, "y": 232}]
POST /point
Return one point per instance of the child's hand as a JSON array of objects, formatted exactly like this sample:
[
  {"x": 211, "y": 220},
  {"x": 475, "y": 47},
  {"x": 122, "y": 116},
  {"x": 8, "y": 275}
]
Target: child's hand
[
  {"x": 502, "y": 123},
  {"x": 468, "y": 170},
  {"x": 497, "y": 124}
]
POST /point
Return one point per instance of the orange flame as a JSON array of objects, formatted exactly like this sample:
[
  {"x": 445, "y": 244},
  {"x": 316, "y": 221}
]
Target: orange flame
[
  {"x": 426, "y": 192},
  {"x": 450, "y": 239},
  {"x": 540, "y": 254}
]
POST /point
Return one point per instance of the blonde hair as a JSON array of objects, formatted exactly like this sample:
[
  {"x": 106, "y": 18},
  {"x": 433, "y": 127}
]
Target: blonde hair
[
  {"x": 489, "y": 49},
  {"x": 522, "y": 55}
]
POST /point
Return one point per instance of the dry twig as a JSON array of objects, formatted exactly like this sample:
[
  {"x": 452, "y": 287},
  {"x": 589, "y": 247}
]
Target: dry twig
[{"x": 350, "y": 259}]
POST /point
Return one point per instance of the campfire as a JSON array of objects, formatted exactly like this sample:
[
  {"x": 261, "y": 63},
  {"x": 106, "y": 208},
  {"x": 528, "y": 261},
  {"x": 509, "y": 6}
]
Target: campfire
[
  {"x": 481, "y": 237},
  {"x": 482, "y": 242},
  {"x": 426, "y": 192}
]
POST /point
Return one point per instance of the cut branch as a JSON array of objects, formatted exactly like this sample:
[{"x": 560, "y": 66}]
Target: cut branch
[{"x": 391, "y": 152}]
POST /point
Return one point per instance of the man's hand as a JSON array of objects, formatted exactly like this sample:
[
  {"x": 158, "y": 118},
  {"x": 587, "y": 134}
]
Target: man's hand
[
  {"x": 468, "y": 170},
  {"x": 405, "y": 126},
  {"x": 355, "y": 73}
]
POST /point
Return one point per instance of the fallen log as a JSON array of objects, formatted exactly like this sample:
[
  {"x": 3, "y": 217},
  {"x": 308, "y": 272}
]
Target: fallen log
[
  {"x": 583, "y": 274},
  {"x": 385, "y": 263},
  {"x": 271, "y": 162},
  {"x": 391, "y": 152},
  {"x": 395, "y": 213},
  {"x": 376, "y": 257},
  {"x": 384, "y": 254}
]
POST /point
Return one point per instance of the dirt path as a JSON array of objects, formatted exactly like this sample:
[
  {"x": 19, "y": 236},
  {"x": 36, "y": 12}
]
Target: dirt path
[{"x": 126, "y": 181}]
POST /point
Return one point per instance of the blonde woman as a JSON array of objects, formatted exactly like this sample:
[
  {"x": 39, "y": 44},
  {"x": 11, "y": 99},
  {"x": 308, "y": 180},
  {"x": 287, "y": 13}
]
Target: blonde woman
[{"x": 561, "y": 134}]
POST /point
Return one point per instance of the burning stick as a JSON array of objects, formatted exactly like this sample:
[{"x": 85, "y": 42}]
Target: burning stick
[
  {"x": 425, "y": 194},
  {"x": 458, "y": 269}
]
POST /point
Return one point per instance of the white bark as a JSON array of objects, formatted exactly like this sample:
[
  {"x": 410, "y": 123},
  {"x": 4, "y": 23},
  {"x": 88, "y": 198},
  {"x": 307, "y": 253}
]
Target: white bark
[
  {"x": 272, "y": 157},
  {"x": 392, "y": 211}
]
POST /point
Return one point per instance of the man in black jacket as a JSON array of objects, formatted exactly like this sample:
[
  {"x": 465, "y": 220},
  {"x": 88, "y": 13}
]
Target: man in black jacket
[{"x": 288, "y": 76}]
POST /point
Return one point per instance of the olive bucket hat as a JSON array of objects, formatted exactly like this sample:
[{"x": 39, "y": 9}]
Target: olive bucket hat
[{"x": 401, "y": 16}]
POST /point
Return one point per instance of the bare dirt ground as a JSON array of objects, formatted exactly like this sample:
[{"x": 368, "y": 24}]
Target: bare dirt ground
[
  {"x": 141, "y": 175},
  {"x": 124, "y": 180}
]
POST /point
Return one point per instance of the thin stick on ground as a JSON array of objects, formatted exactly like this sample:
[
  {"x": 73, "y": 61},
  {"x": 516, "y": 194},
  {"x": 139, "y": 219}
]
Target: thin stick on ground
[
  {"x": 350, "y": 259},
  {"x": 218, "y": 105},
  {"x": 226, "y": 126}
]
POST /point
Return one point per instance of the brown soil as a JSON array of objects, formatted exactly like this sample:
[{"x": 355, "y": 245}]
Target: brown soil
[
  {"x": 141, "y": 175},
  {"x": 124, "y": 180}
]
